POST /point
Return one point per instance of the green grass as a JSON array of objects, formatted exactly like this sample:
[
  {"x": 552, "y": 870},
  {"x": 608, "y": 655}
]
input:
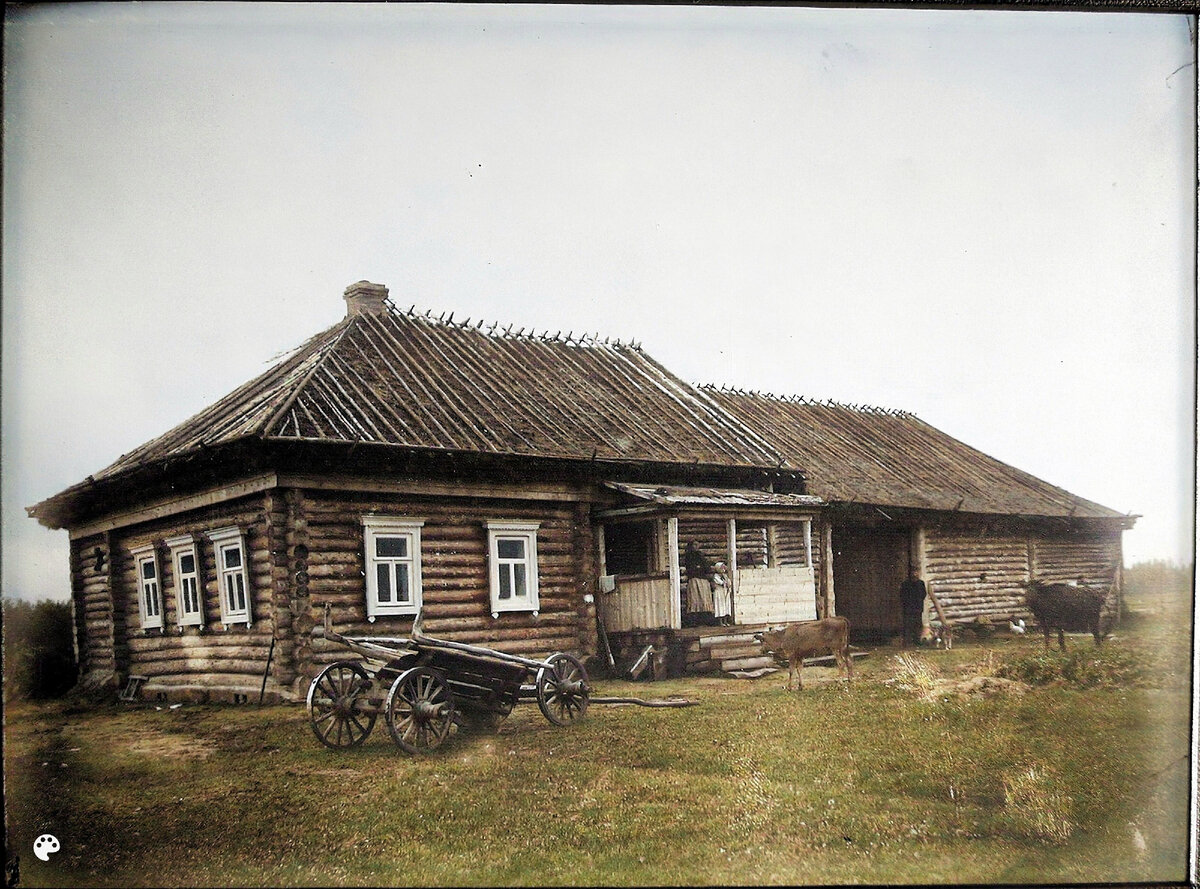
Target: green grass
[{"x": 872, "y": 783}]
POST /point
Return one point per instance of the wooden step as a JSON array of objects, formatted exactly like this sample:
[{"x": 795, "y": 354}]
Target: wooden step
[
  {"x": 747, "y": 663},
  {"x": 725, "y": 652},
  {"x": 732, "y": 637}
]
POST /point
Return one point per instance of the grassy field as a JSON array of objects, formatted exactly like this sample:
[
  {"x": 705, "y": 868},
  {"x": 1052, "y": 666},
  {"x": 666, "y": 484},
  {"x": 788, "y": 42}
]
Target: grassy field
[{"x": 931, "y": 768}]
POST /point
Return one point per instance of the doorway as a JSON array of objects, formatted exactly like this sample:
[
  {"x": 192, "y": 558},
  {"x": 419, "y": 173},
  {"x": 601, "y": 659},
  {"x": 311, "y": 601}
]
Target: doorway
[{"x": 869, "y": 564}]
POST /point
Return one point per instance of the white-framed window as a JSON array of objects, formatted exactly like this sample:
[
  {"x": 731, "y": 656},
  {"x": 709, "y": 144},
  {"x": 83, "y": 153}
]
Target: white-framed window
[
  {"x": 233, "y": 581},
  {"x": 145, "y": 560},
  {"x": 512, "y": 563},
  {"x": 392, "y": 549},
  {"x": 185, "y": 568}
]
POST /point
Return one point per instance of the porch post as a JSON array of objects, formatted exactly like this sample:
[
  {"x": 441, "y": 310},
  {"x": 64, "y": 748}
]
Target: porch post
[
  {"x": 675, "y": 609},
  {"x": 808, "y": 542},
  {"x": 732, "y": 563},
  {"x": 827, "y": 568},
  {"x": 918, "y": 560}
]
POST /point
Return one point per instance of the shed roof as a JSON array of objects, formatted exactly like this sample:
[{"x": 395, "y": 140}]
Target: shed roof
[
  {"x": 412, "y": 380},
  {"x": 892, "y": 458},
  {"x": 684, "y": 495}
]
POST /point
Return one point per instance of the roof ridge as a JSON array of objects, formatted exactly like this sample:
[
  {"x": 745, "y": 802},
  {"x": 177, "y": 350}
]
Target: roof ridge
[
  {"x": 326, "y": 349},
  {"x": 871, "y": 409},
  {"x": 585, "y": 339}
]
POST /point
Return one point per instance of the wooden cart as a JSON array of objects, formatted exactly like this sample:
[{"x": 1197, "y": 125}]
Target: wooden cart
[{"x": 423, "y": 686}]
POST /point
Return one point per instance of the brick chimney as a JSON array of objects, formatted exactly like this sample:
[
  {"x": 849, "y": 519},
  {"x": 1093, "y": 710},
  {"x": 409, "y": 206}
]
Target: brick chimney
[{"x": 365, "y": 298}]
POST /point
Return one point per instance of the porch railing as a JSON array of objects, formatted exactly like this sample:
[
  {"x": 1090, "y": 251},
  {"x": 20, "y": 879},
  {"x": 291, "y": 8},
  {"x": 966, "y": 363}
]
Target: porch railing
[
  {"x": 770, "y": 595},
  {"x": 638, "y": 602}
]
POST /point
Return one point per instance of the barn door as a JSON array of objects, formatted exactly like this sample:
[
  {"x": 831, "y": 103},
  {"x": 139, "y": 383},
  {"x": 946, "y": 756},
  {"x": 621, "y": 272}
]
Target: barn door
[{"x": 869, "y": 564}]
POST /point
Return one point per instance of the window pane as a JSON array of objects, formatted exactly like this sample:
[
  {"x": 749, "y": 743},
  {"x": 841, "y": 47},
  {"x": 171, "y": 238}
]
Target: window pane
[
  {"x": 519, "y": 579},
  {"x": 505, "y": 581},
  {"x": 391, "y": 547},
  {"x": 233, "y": 557},
  {"x": 230, "y": 599},
  {"x": 187, "y": 563},
  {"x": 241, "y": 591},
  {"x": 511, "y": 549},
  {"x": 148, "y": 570},
  {"x": 402, "y": 592},
  {"x": 383, "y": 580},
  {"x": 189, "y": 595}
]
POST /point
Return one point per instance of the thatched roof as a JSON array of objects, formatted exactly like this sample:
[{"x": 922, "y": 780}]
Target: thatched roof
[
  {"x": 891, "y": 458},
  {"x": 409, "y": 382},
  {"x": 415, "y": 381}
]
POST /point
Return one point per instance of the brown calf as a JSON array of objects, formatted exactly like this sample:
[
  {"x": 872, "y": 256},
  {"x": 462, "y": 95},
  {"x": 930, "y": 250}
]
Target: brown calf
[{"x": 795, "y": 642}]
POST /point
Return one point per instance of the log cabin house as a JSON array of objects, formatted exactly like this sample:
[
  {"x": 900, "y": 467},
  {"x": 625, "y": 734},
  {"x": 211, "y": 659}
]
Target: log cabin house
[
  {"x": 530, "y": 493},
  {"x": 898, "y": 493}
]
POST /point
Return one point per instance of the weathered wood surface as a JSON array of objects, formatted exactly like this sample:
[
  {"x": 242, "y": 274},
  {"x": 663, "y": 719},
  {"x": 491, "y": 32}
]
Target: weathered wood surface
[
  {"x": 637, "y": 603},
  {"x": 454, "y": 568},
  {"x": 768, "y": 595},
  {"x": 977, "y": 574},
  {"x": 194, "y": 653}
]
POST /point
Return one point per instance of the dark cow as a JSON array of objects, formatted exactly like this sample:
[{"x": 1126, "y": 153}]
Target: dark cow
[
  {"x": 795, "y": 642},
  {"x": 1065, "y": 606}
]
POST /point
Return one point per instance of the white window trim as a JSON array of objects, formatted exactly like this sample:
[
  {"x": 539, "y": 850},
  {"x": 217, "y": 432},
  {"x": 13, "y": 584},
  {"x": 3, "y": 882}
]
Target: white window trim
[
  {"x": 221, "y": 539},
  {"x": 528, "y": 532},
  {"x": 181, "y": 546},
  {"x": 391, "y": 526},
  {"x": 142, "y": 555}
]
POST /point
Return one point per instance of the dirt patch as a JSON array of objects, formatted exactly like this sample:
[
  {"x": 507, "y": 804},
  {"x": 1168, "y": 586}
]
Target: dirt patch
[
  {"x": 151, "y": 742},
  {"x": 985, "y": 686}
]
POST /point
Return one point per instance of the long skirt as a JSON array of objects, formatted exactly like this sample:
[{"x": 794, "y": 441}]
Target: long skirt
[{"x": 699, "y": 595}]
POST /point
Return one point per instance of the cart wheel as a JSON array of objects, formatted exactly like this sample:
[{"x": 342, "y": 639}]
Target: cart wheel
[
  {"x": 419, "y": 710},
  {"x": 562, "y": 689},
  {"x": 338, "y": 708}
]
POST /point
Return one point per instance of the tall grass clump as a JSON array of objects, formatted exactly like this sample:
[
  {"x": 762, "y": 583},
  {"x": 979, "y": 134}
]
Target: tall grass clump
[
  {"x": 911, "y": 673},
  {"x": 1088, "y": 667},
  {"x": 1035, "y": 806}
]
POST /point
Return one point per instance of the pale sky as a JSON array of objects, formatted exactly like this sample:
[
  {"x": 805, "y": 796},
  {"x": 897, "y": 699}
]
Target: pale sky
[{"x": 983, "y": 217}]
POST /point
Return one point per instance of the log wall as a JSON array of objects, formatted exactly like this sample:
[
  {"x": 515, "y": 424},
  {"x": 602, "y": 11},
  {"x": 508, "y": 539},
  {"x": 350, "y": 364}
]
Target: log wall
[
  {"x": 1091, "y": 559},
  {"x": 976, "y": 575},
  {"x": 454, "y": 569},
  {"x": 980, "y": 572},
  {"x": 216, "y": 660},
  {"x": 95, "y": 620}
]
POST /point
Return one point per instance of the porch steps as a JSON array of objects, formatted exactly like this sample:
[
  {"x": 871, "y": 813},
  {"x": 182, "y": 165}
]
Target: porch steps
[{"x": 727, "y": 650}]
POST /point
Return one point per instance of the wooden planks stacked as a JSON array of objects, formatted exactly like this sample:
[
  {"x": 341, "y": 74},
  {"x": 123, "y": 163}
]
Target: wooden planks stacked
[{"x": 767, "y": 595}]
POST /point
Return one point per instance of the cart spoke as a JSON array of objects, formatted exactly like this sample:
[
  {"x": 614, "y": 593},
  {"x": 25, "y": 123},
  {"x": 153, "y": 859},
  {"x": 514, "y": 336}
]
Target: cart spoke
[{"x": 361, "y": 728}]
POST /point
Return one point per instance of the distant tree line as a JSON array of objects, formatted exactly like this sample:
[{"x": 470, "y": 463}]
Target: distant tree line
[
  {"x": 39, "y": 655},
  {"x": 1159, "y": 578}
]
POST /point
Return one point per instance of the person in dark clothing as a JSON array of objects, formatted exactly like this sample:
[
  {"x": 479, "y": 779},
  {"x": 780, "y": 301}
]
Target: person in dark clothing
[
  {"x": 699, "y": 587},
  {"x": 912, "y": 603}
]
